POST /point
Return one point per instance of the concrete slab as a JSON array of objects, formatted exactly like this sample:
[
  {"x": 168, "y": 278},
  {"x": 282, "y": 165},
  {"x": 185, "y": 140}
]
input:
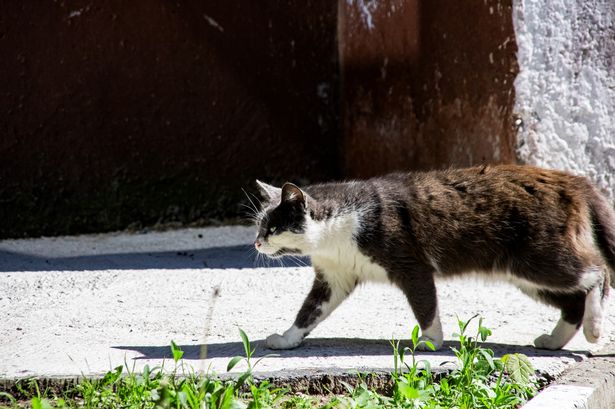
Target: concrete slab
[
  {"x": 83, "y": 305},
  {"x": 587, "y": 385}
]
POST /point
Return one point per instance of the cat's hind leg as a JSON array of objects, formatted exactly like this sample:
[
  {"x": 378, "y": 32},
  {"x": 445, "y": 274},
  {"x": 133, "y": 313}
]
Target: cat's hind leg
[
  {"x": 594, "y": 304},
  {"x": 322, "y": 299},
  {"x": 572, "y": 306}
]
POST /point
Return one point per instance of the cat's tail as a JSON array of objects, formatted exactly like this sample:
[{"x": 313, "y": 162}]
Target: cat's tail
[{"x": 603, "y": 220}]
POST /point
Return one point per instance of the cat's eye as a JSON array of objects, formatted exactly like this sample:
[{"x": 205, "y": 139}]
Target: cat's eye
[{"x": 272, "y": 229}]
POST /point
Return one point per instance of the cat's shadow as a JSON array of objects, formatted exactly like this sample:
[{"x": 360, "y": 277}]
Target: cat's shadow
[
  {"x": 225, "y": 257},
  {"x": 333, "y": 347}
]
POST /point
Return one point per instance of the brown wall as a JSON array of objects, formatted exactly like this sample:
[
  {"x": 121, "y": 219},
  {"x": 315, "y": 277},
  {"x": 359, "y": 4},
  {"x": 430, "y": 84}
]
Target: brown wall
[
  {"x": 119, "y": 112},
  {"x": 133, "y": 113},
  {"x": 429, "y": 84}
]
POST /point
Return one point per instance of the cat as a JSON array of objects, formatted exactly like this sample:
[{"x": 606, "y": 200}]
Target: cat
[{"x": 550, "y": 233}]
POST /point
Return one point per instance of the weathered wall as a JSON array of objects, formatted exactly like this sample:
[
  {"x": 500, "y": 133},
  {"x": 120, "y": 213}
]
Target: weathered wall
[
  {"x": 425, "y": 84},
  {"x": 141, "y": 111},
  {"x": 566, "y": 86}
]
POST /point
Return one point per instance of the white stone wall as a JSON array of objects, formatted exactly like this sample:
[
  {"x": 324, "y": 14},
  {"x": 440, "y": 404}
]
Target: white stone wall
[{"x": 565, "y": 90}]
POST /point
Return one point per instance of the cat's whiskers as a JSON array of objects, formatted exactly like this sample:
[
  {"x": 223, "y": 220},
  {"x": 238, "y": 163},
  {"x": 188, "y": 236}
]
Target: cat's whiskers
[
  {"x": 298, "y": 261},
  {"x": 251, "y": 212},
  {"x": 253, "y": 254},
  {"x": 251, "y": 202},
  {"x": 280, "y": 261},
  {"x": 260, "y": 203},
  {"x": 259, "y": 260}
]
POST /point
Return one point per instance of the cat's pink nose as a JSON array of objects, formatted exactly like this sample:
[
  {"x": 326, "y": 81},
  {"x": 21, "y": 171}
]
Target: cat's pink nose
[{"x": 257, "y": 244}]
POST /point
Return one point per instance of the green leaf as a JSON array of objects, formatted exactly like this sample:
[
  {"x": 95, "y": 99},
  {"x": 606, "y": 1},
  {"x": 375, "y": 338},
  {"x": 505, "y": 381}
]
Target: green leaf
[
  {"x": 464, "y": 325},
  {"x": 246, "y": 343},
  {"x": 233, "y": 362},
  {"x": 426, "y": 365},
  {"x": 176, "y": 351},
  {"x": 430, "y": 345},
  {"x": 485, "y": 353},
  {"x": 36, "y": 403},
  {"x": 484, "y": 333},
  {"x": 519, "y": 367},
  {"x": 227, "y": 399},
  {"x": 242, "y": 378},
  {"x": 444, "y": 385},
  {"x": 415, "y": 336},
  {"x": 113, "y": 376},
  {"x": 40, "y": 403},
  {"x": 408, "y": 391}
]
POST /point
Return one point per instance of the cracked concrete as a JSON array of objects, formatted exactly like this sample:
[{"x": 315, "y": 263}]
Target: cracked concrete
[{"x": 83, "y": 305}]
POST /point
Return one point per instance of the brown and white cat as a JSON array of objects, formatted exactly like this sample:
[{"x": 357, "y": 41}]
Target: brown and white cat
[{"x": 550, "y": 233}]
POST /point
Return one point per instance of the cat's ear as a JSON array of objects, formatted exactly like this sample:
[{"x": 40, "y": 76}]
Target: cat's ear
[
  {"x": 292, "y": 194},
  {"x": 268, "y": 191}
]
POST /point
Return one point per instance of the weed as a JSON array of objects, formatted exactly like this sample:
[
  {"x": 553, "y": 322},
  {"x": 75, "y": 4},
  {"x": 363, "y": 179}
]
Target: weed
[{"x": 479, "y": 381}]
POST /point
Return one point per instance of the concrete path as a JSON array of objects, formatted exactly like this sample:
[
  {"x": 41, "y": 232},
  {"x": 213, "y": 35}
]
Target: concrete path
[{"x": 83, "y": 305}]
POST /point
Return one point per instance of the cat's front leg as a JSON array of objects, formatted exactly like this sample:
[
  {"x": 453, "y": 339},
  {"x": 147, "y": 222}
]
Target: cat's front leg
[
  {"x": 322, "y": 299},
  {"x": 432, "y": 332},
  {"x": 291, "y": 338}
]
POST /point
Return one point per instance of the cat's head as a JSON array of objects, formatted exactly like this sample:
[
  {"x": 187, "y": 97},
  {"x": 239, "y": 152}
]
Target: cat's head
[{"x": 282, "y": 222}]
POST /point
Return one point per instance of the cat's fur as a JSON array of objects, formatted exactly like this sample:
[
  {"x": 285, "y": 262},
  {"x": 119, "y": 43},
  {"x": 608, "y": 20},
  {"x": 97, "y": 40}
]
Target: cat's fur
[{"x": 550, "y": 233}]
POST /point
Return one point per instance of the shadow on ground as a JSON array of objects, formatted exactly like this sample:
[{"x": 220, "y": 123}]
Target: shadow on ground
[
  {"x": 239, "y": 256},
  {"x": 331, "y": 347}
]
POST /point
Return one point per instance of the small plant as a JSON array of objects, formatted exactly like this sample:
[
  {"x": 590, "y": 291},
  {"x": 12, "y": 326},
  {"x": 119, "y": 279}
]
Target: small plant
[
  {"x": 38, "y": 401},
  {"x": 479, "y": 381},
  {"x": 474, "y": 384},
  {"x": 416, "y": 382},
  {"x": 249, "y": 352},
  {"x": 263, "y": 394}
]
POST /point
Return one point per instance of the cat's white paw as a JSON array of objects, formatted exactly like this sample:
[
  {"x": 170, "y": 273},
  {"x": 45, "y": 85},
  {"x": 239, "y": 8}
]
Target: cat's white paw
[
  {"x": 546, "y": 341},
  {"x": 276, "y": 341},
  {"x": 594, "y": 314},
  {"x": 592, "y": 331},
  {"x": 437, "y": 343},
  {"x": 433, "y": 333}
]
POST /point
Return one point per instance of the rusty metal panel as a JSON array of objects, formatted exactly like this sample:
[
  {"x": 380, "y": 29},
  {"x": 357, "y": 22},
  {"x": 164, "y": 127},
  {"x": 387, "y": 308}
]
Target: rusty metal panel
[{"x": 425, "y": 84}]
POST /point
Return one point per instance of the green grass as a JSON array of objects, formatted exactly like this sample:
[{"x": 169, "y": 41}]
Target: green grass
[{"x": 479, "y": 381}]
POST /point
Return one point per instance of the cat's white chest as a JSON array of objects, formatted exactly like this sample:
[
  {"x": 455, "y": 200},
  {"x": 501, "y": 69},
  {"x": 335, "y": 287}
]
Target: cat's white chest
[
  {"x": 338, "y": 255},
  {"x": 347, "y": 263}
]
